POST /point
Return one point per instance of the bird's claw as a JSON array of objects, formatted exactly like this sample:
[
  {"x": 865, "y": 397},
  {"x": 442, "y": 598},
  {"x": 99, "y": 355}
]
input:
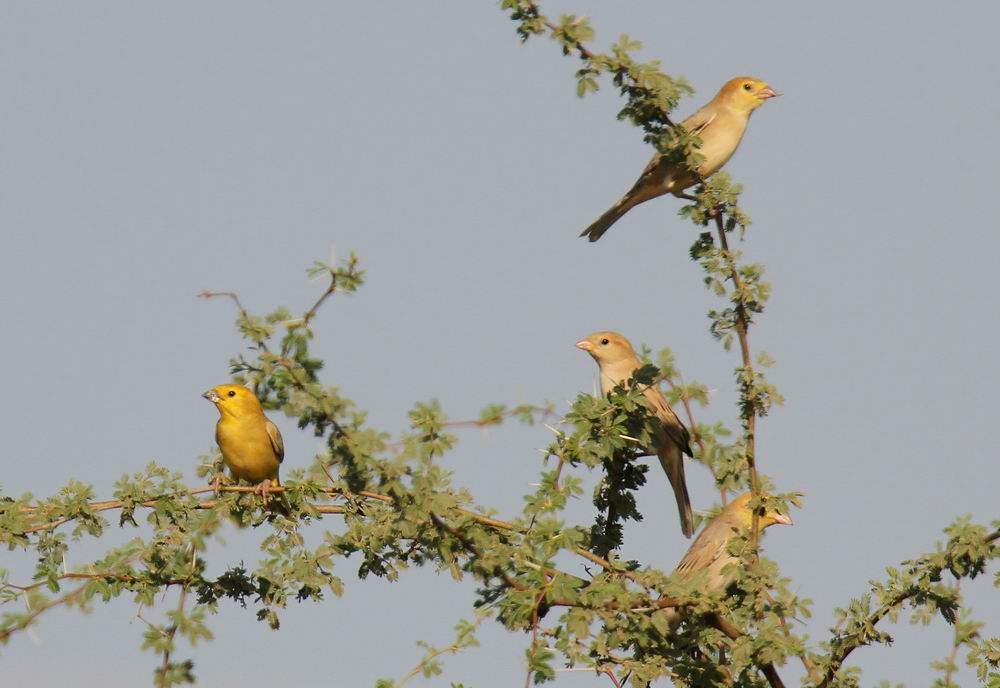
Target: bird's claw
[
  {"x": 263, "y": 489},
  {"x": 216, "y": 483}
]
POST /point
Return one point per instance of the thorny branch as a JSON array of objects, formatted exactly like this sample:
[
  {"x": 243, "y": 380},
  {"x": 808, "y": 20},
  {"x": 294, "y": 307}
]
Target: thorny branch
[
  {"x": 35, "y": 613},
  {"x": 750, "y": 412},
  {"x": 171, "y": 633},
  {"x": 844, "y": 645}
]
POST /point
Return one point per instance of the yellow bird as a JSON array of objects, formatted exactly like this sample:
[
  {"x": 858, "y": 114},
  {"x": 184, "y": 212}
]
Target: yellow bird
[
  {"x": 617, "y": 362},
  {"x": 720, "y": 125},
  {"x": 710, "y": 550},
  {"x": 251, "y": 444}
]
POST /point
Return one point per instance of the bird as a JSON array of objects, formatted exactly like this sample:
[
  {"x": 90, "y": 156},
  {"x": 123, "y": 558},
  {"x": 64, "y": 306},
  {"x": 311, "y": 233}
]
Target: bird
[
  {"x": 720, "y": 125},
  {"x": 250, "y": 442},
  {"x": 617, "y": 362},
  {"x": 710, "y": 551}
]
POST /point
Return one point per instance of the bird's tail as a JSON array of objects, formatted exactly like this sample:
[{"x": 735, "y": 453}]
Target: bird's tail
[
  {"x": 278, "y": 502},
  {"x": 602, "y": 224},
  {"x": 673, "y": 465}
]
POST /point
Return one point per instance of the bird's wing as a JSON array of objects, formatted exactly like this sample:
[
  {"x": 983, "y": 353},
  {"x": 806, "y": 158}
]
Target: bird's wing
[
  {"x": 707, "y": 548},
  {"x": 672, "y": 425},
  {"x": 276, "y": 442},
  {"x": 699, "y": 121},
  {"x": 695, "y": 124},
  {"x": 651, "y": 167}
]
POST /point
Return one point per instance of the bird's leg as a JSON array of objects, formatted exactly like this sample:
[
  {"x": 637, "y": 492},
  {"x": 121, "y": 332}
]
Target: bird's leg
[
  {"x": 263, "y": 489},
  {"x": 217, "y": 482},
  {"x": 687, "y": 197}
]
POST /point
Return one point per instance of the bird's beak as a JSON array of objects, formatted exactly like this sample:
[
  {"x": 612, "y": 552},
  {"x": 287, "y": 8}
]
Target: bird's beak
[
  {"x": 767, "y": 92},
  {"x": 585, "y": 345},
  {"x": 783, "y": 519},
  {"x": 212, "y": 396}
]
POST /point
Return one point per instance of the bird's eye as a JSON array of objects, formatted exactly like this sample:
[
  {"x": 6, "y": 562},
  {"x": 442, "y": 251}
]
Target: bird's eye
[
  {"x": 231, "y": 393},
  {"x": 605, "y": 342},
  {"x": 747, "y": 86}
]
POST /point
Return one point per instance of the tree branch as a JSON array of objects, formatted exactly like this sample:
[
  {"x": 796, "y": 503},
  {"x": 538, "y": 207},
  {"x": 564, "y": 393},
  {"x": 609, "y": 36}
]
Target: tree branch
[
  {"x": 749, "y": 411},
  {"x": 171, "y": 633},
  {"x": 841, "y": 651},
  {"x": 35, "y": 613}
]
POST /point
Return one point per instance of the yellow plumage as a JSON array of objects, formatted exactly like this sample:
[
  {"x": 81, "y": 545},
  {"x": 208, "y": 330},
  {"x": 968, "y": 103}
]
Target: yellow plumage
[
  {"x": 709, "y": 553},
  {"x": 250, "y": 443}
]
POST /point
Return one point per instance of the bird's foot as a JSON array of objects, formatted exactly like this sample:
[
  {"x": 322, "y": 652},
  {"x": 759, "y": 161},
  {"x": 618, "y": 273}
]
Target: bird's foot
[
  {"x": 263, "y": 489},
  {"x": 216, "y": 483}
]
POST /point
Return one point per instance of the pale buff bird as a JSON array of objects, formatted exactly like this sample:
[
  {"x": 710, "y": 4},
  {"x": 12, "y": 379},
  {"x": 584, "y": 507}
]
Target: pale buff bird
[
  {"x": 617, "y": 362},
  {"x": 720, "y": 125},
  {"x": 251, "y": 444},
  {"x": 710, "y": 550}
]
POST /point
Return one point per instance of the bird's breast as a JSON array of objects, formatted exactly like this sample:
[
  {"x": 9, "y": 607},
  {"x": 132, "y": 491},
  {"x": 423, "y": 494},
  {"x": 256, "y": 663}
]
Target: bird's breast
[
  {"x": 247, "y": 450},
  {"x": 719, "y": 143},
  {"x": 608, "y": 382}
]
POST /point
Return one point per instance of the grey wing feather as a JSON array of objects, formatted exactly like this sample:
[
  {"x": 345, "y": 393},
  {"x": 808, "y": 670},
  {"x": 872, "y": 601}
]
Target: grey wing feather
[
  {"x": 276, "y": 442},
  {"x": 672, "y": 425},
  {"x": 695, "y": 124},
  {"x": 653, "y": 163},
  {"x": 707, "y": 548},
  {"x": 699, "y": 121}
]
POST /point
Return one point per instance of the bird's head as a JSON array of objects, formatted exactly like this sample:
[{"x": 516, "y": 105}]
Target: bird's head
[
  {"x": 740, "y": 507},
  {"x": 606, "y": 347},
  {"x": 745, "y": 93},
  {"x": 233, "y": 400}
]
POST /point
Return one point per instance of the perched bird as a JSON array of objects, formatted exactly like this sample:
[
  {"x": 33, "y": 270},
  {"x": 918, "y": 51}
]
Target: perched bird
[
  {"x": 250, "y": 443},
  {"x": 617, "y": 362},
  {"x": 720, "y": 125},
  {"x": 709, "y": 552}
]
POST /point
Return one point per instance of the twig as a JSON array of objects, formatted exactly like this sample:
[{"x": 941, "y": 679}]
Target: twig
[
  {"x": 587, "y": 56},
  {"x": 311, "y": 313},
  {"x": 840, "y": 653},
  {"x": 750, "y": 413},
  {"x": 306, "y": 317},
  {"x": 321, "y": 508},
  {"x": 534, "y": 630},
  {"x": 228, "y": 294},
  {"x": 112, "y": 504},
  {"x": 262, "y": 345},
  {"x": 171, "y": 634},
  {"x": 544, "y": 414},
  {"x": 956, "y": 644},
  {"x": 610, "y": 674},
  {"x": 432, "y": 654},
  {"x": 806, "y": 662},
  {"x": 35, "y": 613},
  {"x": 100, "y": 575},
  {"x": 686, "y": 401},
  {"x": 727, "y": 627},
  {"x": 734, "y": 633}
]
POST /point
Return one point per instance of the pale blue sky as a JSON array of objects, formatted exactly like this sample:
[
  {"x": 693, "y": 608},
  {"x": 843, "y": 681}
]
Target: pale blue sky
[{"x": 152, "y": 151}]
